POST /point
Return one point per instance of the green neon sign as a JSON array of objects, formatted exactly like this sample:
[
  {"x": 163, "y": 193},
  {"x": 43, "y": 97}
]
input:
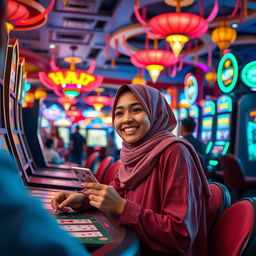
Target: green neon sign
[
  {"x": 191, "y": 88},
  {"x": 227, "y": 74},
  {"x": 249, "y": 74}
]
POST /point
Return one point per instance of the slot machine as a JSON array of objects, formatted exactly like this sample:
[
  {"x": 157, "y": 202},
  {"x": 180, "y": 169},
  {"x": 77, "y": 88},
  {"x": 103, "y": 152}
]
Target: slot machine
[
  {"x": 207, "y": 124},
  {"x": 224, "y": 131}
]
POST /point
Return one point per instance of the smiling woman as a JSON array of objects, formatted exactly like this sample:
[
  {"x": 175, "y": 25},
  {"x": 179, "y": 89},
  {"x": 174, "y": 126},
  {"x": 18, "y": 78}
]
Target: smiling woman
[
  {"x": 160, "y": 189},
  {"x": 131, "y": 121}
]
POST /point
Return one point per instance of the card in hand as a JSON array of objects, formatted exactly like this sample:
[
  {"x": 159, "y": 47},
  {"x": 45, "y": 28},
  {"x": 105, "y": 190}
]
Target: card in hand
[{"x": 84, "y": 175}]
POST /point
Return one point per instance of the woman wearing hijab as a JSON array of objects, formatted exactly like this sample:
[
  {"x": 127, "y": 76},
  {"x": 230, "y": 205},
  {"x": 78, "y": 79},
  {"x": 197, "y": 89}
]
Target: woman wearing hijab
[{"x": 160, "y": 189}]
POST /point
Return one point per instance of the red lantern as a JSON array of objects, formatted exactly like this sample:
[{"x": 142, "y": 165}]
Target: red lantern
[
  {"x": 67, "y": 102},
  {"x": 26, "y": 14},
  {"x": 154, "y": 60},
  {"x": 97, "y": 101}
]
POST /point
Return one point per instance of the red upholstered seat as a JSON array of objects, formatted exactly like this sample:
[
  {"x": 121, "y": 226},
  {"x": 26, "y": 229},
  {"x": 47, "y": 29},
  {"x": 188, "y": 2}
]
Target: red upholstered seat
[
  {"x": 219, "y": 201},
  {"x": 91, "y": 161},
  {"x": 234, "y": 232},
  {"x": 104, "y": 165},
  {"x": 234, "y": 177},
  {"x": 111, "y": 172}
]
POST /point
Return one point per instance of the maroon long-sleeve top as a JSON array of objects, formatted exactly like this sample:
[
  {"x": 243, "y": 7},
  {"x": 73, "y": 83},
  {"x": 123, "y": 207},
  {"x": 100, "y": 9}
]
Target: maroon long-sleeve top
[{"x": 168, "y": 209}]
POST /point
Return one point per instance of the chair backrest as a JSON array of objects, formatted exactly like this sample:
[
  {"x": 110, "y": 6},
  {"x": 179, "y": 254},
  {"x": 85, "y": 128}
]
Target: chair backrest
[
  {"x": 111, "y": 172},
  {"x": 219, "y": 201},
  {"x": 234, "y": 232},
  {"x": 91, "y": 161},
  {"x": 103, "y": 166},
  {"x": 233, "y": 173}
]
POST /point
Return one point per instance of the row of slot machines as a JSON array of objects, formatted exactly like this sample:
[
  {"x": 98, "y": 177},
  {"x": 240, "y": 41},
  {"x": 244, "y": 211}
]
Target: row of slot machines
[
  {"x": 219, "y": 127},
  {"x": 45, "y": 182}
]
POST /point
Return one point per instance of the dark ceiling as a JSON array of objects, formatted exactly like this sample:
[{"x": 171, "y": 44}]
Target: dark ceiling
[{"x": 87, "y": 24}]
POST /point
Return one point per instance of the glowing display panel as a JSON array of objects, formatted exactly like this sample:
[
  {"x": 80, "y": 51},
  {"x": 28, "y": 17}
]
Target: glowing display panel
[
  {"x": 223, "y": 127},
  {"x": 96, "y": 137},
  {"x": 3, "y": 144},
  {"x": 251, "y": 135},
  {"x": 19, "y": 149},
  {"x": 12, "y": 112},
  {"x": 206, "y": 134},
  {"x": 118, "y": 140},
  {"x": 218, "y": 149},
  {"x": 64, "y": 134}
]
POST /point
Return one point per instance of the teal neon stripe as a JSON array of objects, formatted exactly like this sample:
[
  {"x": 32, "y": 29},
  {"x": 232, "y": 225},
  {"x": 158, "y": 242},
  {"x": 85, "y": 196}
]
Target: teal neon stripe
[
  {"x": 209, "y": 146},
  {"x": 213, "y": 162}
]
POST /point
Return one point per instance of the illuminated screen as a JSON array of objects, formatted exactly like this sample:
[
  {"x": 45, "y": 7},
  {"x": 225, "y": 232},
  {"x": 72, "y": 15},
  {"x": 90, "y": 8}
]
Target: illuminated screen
[
  {"x": 13, "y": 70},
  {"x": 19, "y": 149},
  {"x": 206, "y": 134},
  {"x": 118, "y": 141},
  {"x": 223, "y": 127},
  {"x": 64, "y": 134},
  {"x": 82, "y": 131},
  {"x": 217, "y": 151},
  {"x": 3, "y": 144},
  {"x": 196, "y": 128},
  {"x": 251, "y": 137},
  {"x": 12, "y": 112},
  {"x": 96, "y": 137}
]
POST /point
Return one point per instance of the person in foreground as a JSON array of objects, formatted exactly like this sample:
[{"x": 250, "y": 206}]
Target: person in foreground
[
  {"x": 26, "y": 228},
  {"x": 160, "y": 190}
]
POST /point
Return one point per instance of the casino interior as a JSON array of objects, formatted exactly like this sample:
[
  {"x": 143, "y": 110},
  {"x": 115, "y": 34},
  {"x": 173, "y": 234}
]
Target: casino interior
[{"x": 62, "y": 62}]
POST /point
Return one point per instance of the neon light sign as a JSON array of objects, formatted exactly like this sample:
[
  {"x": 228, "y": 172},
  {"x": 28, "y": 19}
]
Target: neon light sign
[
  {"x": 227, "y": 74},
  {"x": 249, "y": 74},
  {"x": 191, "y": 88}
]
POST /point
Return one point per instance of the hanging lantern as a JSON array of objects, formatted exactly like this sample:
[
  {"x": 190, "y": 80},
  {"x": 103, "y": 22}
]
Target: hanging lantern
[
  {"x": 29, "y": 99},
  {"x": 70, "y": 82},
  {"x": 26, "y": 14},
  {"x": 67, "y": 101},
  {"x": 40, "y": 94},
  {"x": 138, "y": 79},
  {"x": 154, "y": 60},
  {"x": 211, "y": 77},
  {"x": 177, "y": 28},
  {"x": 97, "y": 101},
  {"x": 223, "y": 35}
]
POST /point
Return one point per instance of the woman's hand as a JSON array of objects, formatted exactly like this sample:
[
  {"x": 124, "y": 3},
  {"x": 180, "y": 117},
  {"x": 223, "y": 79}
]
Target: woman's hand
[
  {"x": 105, "y": 198},
  {"x": 65, "y": 200}
]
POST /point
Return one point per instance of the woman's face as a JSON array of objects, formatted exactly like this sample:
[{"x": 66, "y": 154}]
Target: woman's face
[{"x": 130, "y": 119}]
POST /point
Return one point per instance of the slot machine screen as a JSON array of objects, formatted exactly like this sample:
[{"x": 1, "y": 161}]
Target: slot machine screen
[
  {"x": 217, "y": 150},
  {"x": 96, "y": 137},
  {"x": 251, "y": 136},
  {"x": 223, "y": 127},
  {"x": 3, "y": 53},
  {"x": 207, "y": 123},
  {"x": 12, "y": 112},
  {"x": 118, "y": 141},
  {"x": 19, "y": 149},
  {"x": 13, "y": 70},
  {"x": 82, "y": 131},
  {"x": 64, "y": 134},
  {"x": 3, "y": 144}
]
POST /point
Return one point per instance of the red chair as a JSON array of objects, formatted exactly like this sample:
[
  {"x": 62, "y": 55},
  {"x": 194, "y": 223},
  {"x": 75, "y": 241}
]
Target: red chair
[
  {"x": 104, "y": 165},
  {"x": 234, "y": 177},
  {"x": 234, "y": 232},
  {"x": 91, "y": 161},
  {"x": 111, "y": 172},
  {"x": 218, "y": 202}
]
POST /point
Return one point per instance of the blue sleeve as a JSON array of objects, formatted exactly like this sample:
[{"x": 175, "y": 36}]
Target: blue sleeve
[{"x": 26, "y": 228}]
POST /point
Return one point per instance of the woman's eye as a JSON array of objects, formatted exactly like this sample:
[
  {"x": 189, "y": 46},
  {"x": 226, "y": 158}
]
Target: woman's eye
[
  {"x": 118, "y": 113},
  {"x": 137, "y": 110}
]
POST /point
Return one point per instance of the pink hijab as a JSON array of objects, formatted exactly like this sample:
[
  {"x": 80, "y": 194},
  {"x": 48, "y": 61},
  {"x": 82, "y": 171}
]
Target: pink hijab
[{"x": 138, "y": 160}]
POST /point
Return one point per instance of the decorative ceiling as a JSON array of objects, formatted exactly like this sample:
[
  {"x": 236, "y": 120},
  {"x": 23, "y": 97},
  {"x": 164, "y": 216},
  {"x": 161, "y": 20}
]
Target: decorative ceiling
[{"x": 108, "y": 31}]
